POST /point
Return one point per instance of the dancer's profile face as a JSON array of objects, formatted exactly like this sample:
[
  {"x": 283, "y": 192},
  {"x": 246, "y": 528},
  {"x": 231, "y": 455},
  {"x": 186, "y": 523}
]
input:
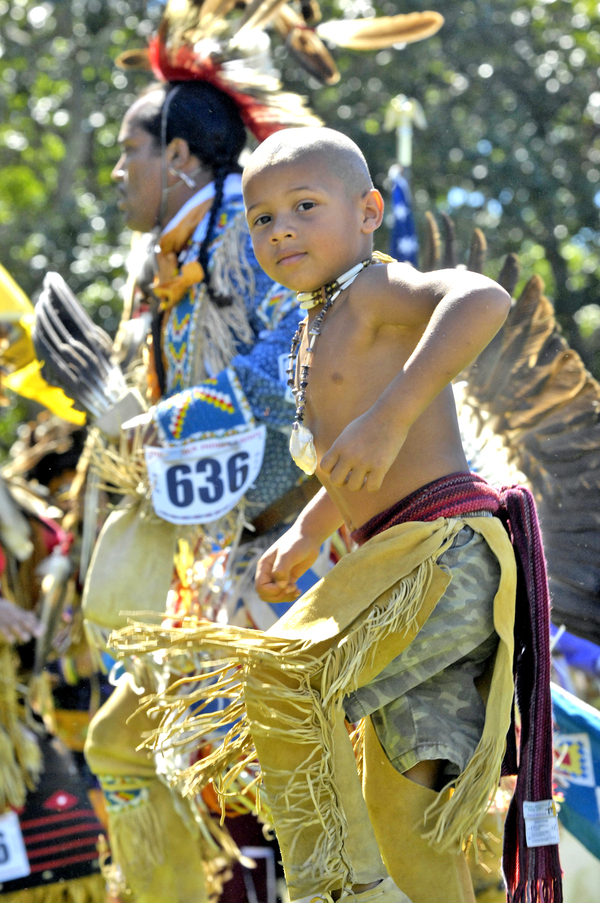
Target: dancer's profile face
[{"x": 138, "y": 172}]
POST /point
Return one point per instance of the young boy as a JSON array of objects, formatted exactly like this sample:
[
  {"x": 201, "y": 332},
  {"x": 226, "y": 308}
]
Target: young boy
[
  {"x": 406, "y": 630},
  {"x": 373, "y": 389}
]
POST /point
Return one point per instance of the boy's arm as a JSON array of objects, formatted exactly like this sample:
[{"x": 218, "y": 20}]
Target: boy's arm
[
  {"x": 297, "y": 550},
  {"x": 462, "y": 311}
]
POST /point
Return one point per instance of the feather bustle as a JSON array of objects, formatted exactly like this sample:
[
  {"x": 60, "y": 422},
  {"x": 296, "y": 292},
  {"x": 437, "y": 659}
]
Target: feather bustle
[{"x": 539, "y": 398}]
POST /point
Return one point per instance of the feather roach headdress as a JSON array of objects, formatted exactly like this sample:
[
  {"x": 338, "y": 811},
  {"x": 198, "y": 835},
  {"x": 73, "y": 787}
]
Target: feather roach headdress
[{"x": 224, "y": 42}]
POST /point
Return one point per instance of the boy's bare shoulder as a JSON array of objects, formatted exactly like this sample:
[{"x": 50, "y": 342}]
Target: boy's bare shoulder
[
  {"x": 391, "y": 292},
  {"x": 397, "y": 294},
  {"x": 383, "y": 279}
]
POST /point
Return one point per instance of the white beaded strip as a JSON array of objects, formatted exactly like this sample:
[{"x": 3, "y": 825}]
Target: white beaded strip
[{"x": 308, "y": 300}]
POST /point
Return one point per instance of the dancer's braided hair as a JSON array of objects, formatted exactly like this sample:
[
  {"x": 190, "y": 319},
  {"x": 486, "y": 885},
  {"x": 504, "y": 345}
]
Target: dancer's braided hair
[{"x": 211, "y": 124}]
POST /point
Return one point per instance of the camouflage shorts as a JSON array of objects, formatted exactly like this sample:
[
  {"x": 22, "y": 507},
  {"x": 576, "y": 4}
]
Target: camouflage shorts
[{"x": 425, "y": 704}]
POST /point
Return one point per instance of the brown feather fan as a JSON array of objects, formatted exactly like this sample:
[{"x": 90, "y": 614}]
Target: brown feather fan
[
  {"x": 373, "y": 34},
  {"x": 533, "y": 391}
]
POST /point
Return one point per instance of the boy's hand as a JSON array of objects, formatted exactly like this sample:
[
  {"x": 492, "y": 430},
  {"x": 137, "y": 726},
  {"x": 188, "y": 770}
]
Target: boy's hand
[
  {"x": 17, "y": 625},
  {"x": 364, "y": 452},
  {"x": 281, "y": 565}
]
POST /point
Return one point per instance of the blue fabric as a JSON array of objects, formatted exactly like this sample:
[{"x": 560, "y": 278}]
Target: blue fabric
[
  {"x": 273, "y": 316},
  {"x": 577, "y": 772},
  {"x": 261, "y": 373},
  {"x": 215, "y": 407},
  {"x": 260, "y": 382},
  {"x": 403, "y": 242},
  {"x": 579, "y": 653}
]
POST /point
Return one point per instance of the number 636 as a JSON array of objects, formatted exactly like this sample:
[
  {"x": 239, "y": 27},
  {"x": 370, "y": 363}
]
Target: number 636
[{"x": 180, "y": 486}]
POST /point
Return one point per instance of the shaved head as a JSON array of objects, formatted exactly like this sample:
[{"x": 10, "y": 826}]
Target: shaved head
[{"x": 339, "y": 153}]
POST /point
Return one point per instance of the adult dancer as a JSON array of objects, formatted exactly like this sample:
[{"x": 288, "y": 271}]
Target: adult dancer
[{"x": 179, "y": 171}]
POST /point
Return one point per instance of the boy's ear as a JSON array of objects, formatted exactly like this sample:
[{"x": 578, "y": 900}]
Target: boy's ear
[{"x": 373, "y": 207}]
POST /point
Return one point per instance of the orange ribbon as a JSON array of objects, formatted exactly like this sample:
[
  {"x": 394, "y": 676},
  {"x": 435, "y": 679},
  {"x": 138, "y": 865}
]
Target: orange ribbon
[{"x": 172, "y": 281}]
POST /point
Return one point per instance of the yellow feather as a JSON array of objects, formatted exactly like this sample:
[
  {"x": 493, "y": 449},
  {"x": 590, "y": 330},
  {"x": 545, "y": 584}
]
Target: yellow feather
[{"x": 372, "y": 34}]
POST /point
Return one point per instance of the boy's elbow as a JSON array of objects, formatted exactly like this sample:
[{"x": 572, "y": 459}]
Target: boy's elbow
[
  {"x": 502, "y": 304},
  {"x": 496, "y": 302}
]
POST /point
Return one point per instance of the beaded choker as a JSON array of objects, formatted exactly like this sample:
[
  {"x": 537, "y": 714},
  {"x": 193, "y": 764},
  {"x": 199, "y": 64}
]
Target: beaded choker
[
  {"x": 302, "y": 446},
  {"x": 308, "y": 300}
]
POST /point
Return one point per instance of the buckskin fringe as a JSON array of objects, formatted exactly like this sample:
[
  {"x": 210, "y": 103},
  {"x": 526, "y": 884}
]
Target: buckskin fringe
[
  {"x": 459, "y": 816},
  {"x": 320, "y": 684},
  {"x": 79, "y": 890},
  {"x": 20, "y": 757},
  {"x": 136, "y": 841}
]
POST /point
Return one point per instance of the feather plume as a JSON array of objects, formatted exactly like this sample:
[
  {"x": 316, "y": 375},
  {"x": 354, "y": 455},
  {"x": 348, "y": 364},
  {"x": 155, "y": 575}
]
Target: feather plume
[
  {"x": 134, "y": 60},
  {"x": 215, "y": 10},
  {"x": 75, "y": 352},
  {"x": 431, "y": 254},
  {"x": 311, "y": 12},
  {"x": 449, "y": 255},
  {"x": 181, "y": 22},
  {"x": 509, "y": 274},
  {"x": 308, "y": 49},
  {"x": 208, "y": 40},
  {"x": 477, "y": 252},
  {"x": 373, "y": 34}
]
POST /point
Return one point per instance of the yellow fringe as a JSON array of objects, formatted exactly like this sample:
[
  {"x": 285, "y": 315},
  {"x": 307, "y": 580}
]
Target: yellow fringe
[
  {"x": 42, "y": 701},
  {"x": 79, "y": 890},
  {"x": 324, "y": 666},
  {"x": 473, "y": 792},
  {"x": 20, "y": 756},
  {"x": 136, "y": 842},
  {"x": 336, "y": 673}
]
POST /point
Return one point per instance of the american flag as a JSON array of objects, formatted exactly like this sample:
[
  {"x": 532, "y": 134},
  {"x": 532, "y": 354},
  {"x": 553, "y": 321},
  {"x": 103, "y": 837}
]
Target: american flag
[{"x": 404, "y": 243}]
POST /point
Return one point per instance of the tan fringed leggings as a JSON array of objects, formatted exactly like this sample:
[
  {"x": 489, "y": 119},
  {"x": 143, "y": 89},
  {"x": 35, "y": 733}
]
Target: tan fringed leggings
[
  {"x": 312, "y": 785},
  {"x": 159, "y": 857},
  {"x": 322, "y": 821}
]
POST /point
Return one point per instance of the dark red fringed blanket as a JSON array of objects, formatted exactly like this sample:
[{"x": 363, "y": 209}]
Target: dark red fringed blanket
[{"x": 532, "y": 874}]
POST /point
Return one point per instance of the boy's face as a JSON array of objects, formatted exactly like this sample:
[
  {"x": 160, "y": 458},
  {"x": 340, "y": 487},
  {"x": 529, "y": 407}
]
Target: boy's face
[{"x": 307, "y": 226}]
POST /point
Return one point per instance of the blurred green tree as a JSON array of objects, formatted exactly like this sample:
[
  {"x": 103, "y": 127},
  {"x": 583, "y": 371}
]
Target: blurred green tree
[
  {"x": 510, "y": 89},
  {"x": 511, "y": 92},
  {"x": 61, "y": 102}
]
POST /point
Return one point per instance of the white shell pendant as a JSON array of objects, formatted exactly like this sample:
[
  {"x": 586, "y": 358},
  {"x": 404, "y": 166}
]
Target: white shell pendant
[{"x": 302, "y": 448}]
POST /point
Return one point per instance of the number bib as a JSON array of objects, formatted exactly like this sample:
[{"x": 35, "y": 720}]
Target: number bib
[
  {"x": 13, "y": 856},
  {"x": 200, "y": 482}
]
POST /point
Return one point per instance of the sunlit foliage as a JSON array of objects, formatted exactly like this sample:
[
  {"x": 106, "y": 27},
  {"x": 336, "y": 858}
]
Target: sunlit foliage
[{"x": 510, "y": 89}]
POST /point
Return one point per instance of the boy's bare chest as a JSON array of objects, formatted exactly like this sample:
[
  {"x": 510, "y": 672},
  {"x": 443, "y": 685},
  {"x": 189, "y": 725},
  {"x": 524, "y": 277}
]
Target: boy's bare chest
[{"x": 350, "y": 365}]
